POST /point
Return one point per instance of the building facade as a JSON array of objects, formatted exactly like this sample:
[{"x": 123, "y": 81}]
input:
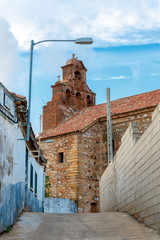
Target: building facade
[
  {"x": 20, "y": 187},
  {"x": 76, "y": 143}
]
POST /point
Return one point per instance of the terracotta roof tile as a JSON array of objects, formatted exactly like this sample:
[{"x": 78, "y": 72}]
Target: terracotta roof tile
[
  {"x": 20, "y": 96},
  {"x": 86, "y": 116}
]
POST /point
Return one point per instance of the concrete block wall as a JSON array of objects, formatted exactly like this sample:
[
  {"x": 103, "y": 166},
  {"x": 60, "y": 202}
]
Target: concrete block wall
[{"x": 131, "y": 183}]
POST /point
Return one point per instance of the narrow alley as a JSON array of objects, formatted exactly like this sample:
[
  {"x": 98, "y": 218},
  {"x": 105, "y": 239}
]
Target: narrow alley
[{"x": 100, "y": 226}]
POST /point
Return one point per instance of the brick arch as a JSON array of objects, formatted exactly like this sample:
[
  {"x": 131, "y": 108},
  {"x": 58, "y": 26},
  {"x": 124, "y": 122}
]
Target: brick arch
[
  {"x": 89, "y": 102},
  {"x": 68, "y": 97},
  {"x": 79, "y": 101},
  {"x": 77, "y": 75}
]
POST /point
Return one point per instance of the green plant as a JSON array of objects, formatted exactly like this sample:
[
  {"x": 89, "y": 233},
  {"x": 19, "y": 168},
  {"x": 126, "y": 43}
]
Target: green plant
[
  {"x": 47, "y": 187},
  {"x": 8, "y": 229}
]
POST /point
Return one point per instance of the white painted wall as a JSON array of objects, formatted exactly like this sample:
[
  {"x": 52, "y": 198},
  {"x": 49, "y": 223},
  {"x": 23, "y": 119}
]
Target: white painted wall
[
  {"x": 40, "y": 177},
  {"x": 12, "y": 148},
  {"x": 12, "y": 167}
]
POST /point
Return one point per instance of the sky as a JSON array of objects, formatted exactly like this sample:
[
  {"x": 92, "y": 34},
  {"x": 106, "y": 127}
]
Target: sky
[{"x": 125, "y": 55}]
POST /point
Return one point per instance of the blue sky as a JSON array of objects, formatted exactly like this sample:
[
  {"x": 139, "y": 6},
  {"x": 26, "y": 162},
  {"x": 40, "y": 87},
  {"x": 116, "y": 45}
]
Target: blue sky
[{"x": 125, "y": 55}]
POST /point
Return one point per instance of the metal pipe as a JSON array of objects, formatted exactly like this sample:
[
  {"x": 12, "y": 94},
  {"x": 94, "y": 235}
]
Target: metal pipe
[
  {"x": 109, "y": 127},
  {"x": 53, "y": 41},
  {"x": 30, "y": 87}
]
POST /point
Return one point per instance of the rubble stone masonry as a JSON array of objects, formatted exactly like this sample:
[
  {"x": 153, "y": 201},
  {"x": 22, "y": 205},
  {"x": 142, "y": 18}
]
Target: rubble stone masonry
[{"x": 85, "y": 158}]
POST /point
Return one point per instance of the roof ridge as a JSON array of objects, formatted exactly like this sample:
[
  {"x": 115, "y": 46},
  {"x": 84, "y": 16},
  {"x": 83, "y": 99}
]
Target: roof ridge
[
  {"x": 135, "y": 95},
  {"x": 86, "y": 116}
]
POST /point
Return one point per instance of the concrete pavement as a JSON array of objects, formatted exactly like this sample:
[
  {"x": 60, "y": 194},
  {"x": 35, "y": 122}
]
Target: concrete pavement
[{"x": 95, "y": 226}]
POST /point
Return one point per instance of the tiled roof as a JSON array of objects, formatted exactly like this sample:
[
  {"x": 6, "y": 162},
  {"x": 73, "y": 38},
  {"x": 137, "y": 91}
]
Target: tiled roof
[
  {"x": 19, "y": 96},
  {"x": 86, "y": 116}
]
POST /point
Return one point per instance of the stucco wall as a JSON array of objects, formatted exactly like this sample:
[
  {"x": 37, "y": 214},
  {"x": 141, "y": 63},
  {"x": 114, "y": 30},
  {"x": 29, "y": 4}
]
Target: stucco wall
[
  {"x": 12, "y": 172},
  {"x": 60, "y": 205},
  {"x": 13, "y": 166},
  {"x": 35, "y": 201},
  {"x": 131, "y": 183}
]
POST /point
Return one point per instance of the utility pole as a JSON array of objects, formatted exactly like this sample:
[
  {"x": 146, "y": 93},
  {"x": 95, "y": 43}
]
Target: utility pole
[
  {"x": 109, "y": 127},
  {"x": 40, "y": 127}
]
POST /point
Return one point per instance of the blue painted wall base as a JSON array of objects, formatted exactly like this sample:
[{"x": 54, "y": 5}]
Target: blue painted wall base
[
  {"x": 60, "y": 205},
  {"x": 33, "y": 204},
  {"x": 11, "y": 204}
]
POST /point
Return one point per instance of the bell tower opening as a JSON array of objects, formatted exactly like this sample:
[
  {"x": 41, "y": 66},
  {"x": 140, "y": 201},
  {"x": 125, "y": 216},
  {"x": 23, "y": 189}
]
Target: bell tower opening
[
  {"x": 68, "y": 97},
  {"x": 77, "y": 75},
  {"x": 79, "y": 100},
  {"x": 89, "y": 102}
]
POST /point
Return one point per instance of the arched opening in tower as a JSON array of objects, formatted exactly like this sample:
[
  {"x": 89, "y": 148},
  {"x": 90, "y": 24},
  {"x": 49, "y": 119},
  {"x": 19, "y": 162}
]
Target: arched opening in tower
[
  {"x": 79, "y": 101},
  {"x": 89, "y": 102},
  {"x": 68, "y": 97},
  {"x": 77, "y": 75}
]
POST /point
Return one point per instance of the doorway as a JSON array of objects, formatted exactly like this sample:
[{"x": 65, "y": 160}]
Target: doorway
[{"x": 93, "y": 207}]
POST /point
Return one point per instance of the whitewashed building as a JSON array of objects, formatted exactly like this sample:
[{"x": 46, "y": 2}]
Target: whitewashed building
[{"x": 22, "y": 166}]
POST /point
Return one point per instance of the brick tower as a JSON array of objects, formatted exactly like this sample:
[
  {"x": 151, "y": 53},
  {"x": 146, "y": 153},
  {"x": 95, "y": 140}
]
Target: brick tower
[{"x": 69, "y": 95}]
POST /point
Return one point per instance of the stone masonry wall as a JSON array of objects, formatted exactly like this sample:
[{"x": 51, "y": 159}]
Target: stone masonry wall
[
  {"x": 62, "y": 176},
  {"x": 88, "y": 169},
  {"x": 92, "y": 154},
  {"x": 131, "y": 183},
  {"x": 85, "y": 158},
  {"x": 121, "y": 122}
]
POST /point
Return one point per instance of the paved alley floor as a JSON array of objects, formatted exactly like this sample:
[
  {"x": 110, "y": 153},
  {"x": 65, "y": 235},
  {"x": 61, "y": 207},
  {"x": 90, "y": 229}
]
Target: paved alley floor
[{"x": 100, "y": 226}]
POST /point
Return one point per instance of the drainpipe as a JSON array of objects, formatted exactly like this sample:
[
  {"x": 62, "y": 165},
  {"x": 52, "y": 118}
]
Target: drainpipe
[
  {"x": 109, "y": 127},
  {"x": 43, "y": 193},
  {"x": 26, "y": 180}
]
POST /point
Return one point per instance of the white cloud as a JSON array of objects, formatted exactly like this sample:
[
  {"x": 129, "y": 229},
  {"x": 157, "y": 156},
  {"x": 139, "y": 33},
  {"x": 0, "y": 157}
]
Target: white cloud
[
  {"x": 117, "y": 78},
  {"x": 154, "y": 75},
  {"x": 118, "y": 22},
  {"x": 8, "y": 54},
  {"x": 109, "y": 78}
]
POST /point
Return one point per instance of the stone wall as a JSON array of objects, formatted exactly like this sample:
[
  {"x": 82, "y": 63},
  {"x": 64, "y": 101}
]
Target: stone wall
[
  {"x": 131, "y": 183},
  {"x": 88, "y": 169},
  {"x": 85, "y": 158},
  {"x": 121, "y": 122},
  {"x": 62, "y": 176}
]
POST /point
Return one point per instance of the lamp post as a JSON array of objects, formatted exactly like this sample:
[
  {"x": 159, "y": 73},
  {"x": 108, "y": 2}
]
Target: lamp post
[{"x": 76, "y": 41}]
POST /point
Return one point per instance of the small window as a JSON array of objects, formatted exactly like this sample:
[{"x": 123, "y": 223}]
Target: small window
[
  {"x": 7, "y": 101},
  {"x": 35, "y": 183},
  {"x": 31, "y": 176},
  {"x": 60, "y": 157}
]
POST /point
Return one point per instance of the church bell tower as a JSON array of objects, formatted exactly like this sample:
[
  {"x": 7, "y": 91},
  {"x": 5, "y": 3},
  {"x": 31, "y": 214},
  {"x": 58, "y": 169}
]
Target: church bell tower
[{"x": 69, "y": 95}]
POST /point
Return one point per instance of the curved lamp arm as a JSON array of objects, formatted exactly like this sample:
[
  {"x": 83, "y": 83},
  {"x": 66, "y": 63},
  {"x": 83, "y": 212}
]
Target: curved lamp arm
[{"x": 84, "y": 40}]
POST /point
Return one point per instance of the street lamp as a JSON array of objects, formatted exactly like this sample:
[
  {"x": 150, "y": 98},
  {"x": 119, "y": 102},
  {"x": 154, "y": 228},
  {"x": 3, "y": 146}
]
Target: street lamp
[{"x": 76, "y": 41}]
